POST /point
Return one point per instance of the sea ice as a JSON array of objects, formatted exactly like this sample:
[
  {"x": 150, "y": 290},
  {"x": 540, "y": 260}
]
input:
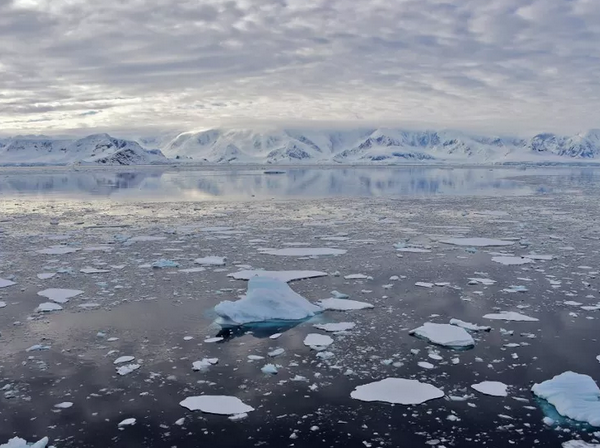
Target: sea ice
[
  {"x": 216, "y": 404},
  {"x": 482, "y": 281},
  {"x": 397, "y": 391},
  {"x": 512, "y": 261},
  {"x": 46, "y": 275},
  {"x": 343, "y": 305},
  {"x": 204, "y": 364},
  {"x": 510, "y": 315},
  {"x": 59, "y": 295},
  {"x": 303, "y": 251},
  {"x": 266, "y": 299},
  {"x": 317, "y": 341},
  {"x": 123, "y": 359},
  {"x": 4, "y": 283},
  {"x": 493, "y": 388},
  {"x": 572, "y": 444},
  {"x": 191, "y": 270},
  {"x": 127, "y": 369},
  {"x": 284, "y": 276},
  {"x": 164, "y": 263},
  {"x": 17, "y": 442},
  {"x": 335, "y": 327},
  {"x": 356, "y": 277},
  {"x": 211, "y": 261},
  {"x": 2, "y": 304},
  {"x": 444, "y": 334},
  {"x": 64, "y": 405},
  {"x": 424, "y": 284},
  {"x": 93, "y": 271},
  {"x": 269, "y": 369},
  {"x": 127, "y": 422},
  {"x": 574, "y": 395},
  {"x": 48, "y": 307},
  {"x": 477, "y": 242},
  {"x": 58, "y": 250},
  {"x": 469, "y": 326}
]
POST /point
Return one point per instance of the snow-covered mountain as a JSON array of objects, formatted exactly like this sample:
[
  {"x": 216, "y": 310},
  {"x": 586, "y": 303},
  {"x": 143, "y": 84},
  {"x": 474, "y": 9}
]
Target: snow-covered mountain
[
  {"x": 97, "y": 149},
  {"x": 381, "y": 145},
  {"x": 302, "y": 146}
]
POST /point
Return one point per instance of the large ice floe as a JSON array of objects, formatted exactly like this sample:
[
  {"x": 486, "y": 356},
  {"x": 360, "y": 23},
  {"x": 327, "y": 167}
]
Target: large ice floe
[
  {"x": 397, "y": 391},
  {"x": 17, "y": 442},
  {"x": 574, "y": 395},
  {"x": 216, "y": 404},
  {"x": 267, "y": 299},
  {"x": 284, "y": 276},
  {"x": 493, "y": 388},
  {"x": 477, "y": 242},
  {"x": 446, "y": 335},
  {"x": 4, "y": 283}
]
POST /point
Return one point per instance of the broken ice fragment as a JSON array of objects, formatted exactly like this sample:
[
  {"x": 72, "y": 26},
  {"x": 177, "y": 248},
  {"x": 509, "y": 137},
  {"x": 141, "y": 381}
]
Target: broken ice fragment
[
  {"x": 216, "y": 404},
  {"x": 123, "y": 359},
  {"x": 127, "y": 422},
  {"x": 164, "y": 263},
  {"x": 335, "y": 327},
  {"x": 317, "y": 341},
  {"x": 445, "y": 335},
  {"x": 493, "y": 388},
  {"x": 204, "y": 364},
  {"x": 397, "y": 391},
  {"x": 127, "y": 369},
  {"x": 512, "y": 261},
  {"x": 4, "y": 283},
  {"x": 48, "y": 307},
  {"x": 469, "y": 326},
  {"x": 211, "y": 261},
  {"x": 343, "y": 305},
  {"x": 284, "y": 276},
  {"x": 303, "y": 251},
  {"x": 510, "y": 315},
  {"x": 477, "y": 242},
  {"x": 59, "y": 295}
]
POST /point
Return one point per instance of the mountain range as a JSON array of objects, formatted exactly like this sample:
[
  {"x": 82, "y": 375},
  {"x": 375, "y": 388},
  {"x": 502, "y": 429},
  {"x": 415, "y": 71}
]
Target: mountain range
[{"x": 292, "y": 146}]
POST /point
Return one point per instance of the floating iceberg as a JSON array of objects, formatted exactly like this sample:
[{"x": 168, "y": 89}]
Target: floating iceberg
[
  {"x": 574, "y": 395},
  {"x": 216, "y": 404},
  {"x": 477, "y": 242},
  {"x": 17, "y": 442},
  {"x": 444, "y": 334},
  {"x": 267, "y": 299},
  {"x": 284, "y": 276},
  {"x": 397, "y": 390}
]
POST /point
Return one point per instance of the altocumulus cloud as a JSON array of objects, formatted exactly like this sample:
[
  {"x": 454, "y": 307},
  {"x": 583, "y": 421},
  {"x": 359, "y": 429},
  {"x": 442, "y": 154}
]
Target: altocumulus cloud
[{"x": 509, "y": 65}]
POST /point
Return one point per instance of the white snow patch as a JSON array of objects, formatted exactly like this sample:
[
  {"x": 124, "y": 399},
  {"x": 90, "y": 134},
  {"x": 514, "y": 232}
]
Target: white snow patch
[
  {"x": 216, "y": 404},
  {"x": 397, "y": 391}
]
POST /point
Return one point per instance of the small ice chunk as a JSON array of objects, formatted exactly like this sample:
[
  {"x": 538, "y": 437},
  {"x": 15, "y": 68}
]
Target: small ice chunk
[
  {"x": 127, "y": 369},
  {"x": 276, "y": 352},
  {"x": 356, "y": 277},
  {"x": 127, "y": 422},
  {"x": 204, "y": 364},
  {"x": 266, "y": 299},
  {"x": 2, "y": 304},
  {"x": 58, "y": 250},
  {"x": 255, "y": 357},
  {"x": 164, "y": 263},
  {"x": 512, "y": 261},
  {"x": 574, "y": 395},
  {"x": 425, "y": 365},
  {"x": 284, "y": 276},
  {"x": 444, "y": 334},
  {"x": 191, "y": 270},
  {"x": 93, "y": 271},
  {"x": 303, "y": 251},
  {"x": 269, "y": 369},
  {"x": 541, "y": 257},
  {"x": 493, "y": 388},
  {"x": 48, "y": 307},
  {"x": 339, "y": 295},
  {"x": 424, "y": 284},
  {"x": 212, "y": 340},
  {"x": 275, "y": 336},
  {"x": 477, "y": 242},
  {"x": 45, "y": 275},
  {"x": 481, "y": 281},
  {"x": 216, "y": 404},
  {"x": 510, "y": 315},
  {"x": 60, "y": 295},
  {"x": 123, "y": 359},
  {"x": 343, "y": 305},
  {"x": 64, "y": 405},
  {"x": 469, "y": 326},
  {"x": 211, "y": 261},
  {"x": 335, "y": 327},
  {"x": 317, "y": 341},
  {"x": 397, "y": 391}
]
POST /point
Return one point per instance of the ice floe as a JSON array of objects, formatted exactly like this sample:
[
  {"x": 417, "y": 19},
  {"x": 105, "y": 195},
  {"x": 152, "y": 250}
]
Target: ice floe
[
  {"x": 93, "y": 271},
  {"x": 164, "y": 263},
  {"x": 2, "y": 304},
  {"x": 511, "y": 261},
  {"x": 335, "y": 327},
  {"x": 60, "y": 295},
  {"x": 204, "y": 364},
  {"x": 216, "y": 404},
  {"x": 397, "y": 391},
  {"x": 469, "y": 326},
  {"x": 284, "y": 276},
  {"x": 64, "y": 405},
  {"x": 493, "y": 388},
  {"x": 317, "y": 341},
  {"x": 343, "y": 304},
  {"x": 58, "y": 250},
  {"x": 269, "y": 369},
  {"x": 266, "y": 299},
  {"x": 5, "y": 283},
  {"x": 477, "y": 242},
  {"x": 510, "y": 316},
  {"x": 127, "y": 422},
  {"x": 574, "y": 395},
  {"x": 211, "y": 261},
  {"x": 303, "y": 251},
  {"x": 127, "y": 369},
  {"x": 444, "y": 334},
  {"x": 46, "y": 275},
  {"x": 481, "y": 281},
  {"x": 17, "y": 442},
  {"x": 579, "y": 444},
  {"x": 356, "y": 277},
  {"x": 48, "y": 307},
  {"x": 123, "y": 359}
]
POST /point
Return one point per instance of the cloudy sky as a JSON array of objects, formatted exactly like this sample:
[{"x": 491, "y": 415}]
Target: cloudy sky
[{"x": 510, "y": 66}]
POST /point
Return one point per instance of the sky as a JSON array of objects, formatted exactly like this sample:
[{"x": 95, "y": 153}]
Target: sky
[{"x": 504, "y": 66}]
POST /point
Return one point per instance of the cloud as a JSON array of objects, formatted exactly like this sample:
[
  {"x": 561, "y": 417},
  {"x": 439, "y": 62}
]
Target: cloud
[{"x": 508, "y": 65}]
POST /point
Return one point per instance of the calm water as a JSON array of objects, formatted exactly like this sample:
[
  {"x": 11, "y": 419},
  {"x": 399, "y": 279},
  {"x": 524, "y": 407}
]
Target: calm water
[{"x": 234, "y": 183}]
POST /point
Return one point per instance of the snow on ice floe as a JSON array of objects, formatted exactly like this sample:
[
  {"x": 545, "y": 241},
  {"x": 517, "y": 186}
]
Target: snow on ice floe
[
  {"x": 46, "y": 275},
  {"x": 59, "y": 295},
  {"x": 574, "y": 395},
  {"x": 510, "y": 315},
  {"x": 477, "y": 242},
  {"x": 127, "y": 369},
  {"x": 397, "y": 391},
  {"x": 48, "y": 307},
  {"x": 58, "y": 250},
  {"x": 284, "y": 276},
  {"x": 493, "y": 388},
  {"x": 335, "y": 327},
  {"x": 211, "y": 261},
  {"x": 123, "y": 359},
  {"x": 266, "y": 299},
  {"x": 317, "y": 341},
  {"x": 469, "y": 326},
  {"x": 17, "y": 442},
  {"x": 303, "y": 251},
  {"x": 216, "y": 404},
  {"x": 5, "y": 283},
  {"x": 512, "y": 261},
  {"x": 343, "y": 305},
  {"x": 444, "y": 334}
]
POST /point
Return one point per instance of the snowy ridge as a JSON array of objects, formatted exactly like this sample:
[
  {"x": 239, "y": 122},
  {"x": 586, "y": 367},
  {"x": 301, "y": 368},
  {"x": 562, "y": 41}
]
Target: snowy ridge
[
  {"x": 375, "y": 145},
  {"x": 97, "y": 149}
]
